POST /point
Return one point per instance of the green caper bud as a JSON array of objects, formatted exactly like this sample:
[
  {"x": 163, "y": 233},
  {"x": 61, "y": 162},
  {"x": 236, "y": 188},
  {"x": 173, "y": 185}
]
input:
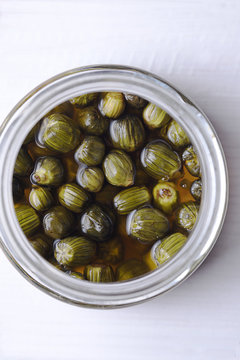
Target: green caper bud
[
  {"x": 58, "y": 222},
  {"x": 135, "y": 101},
  {"x": 58, "y": 133},
  {"x": 196, "y": 189},
  {"x": 31, "y": 135},
  {"x": 129, "y": 199},
  {"x": 147, "y": 225},
  {"x": 96, "y": 223},
  {"x": 176, "y": 135},
  {"x": 91, "y": 151},
  {"x": 23, "y": 164},
  {"x": 17, "y": 189},
  {"x": 186, "y": 215},
  {"x": 48, "y": 171},
  {"x": 40, "y": 245},
  {"x": 75, "y": 274},
  {"x": 118, "y": 168},
  {"x": 91, "y": 121},
  {"x": 164, "y": 249},
  {"x": 64, "y": 108},
  {"x": 160, "y": 161},
  {"x": 84, "y": 100},
  {"x": 154, "y": 117},
  {"x": 28, "y": 219},
  {"x": 73, "y": 197},
  {"x": 111, "y": 104},
  {"x": 74, "y": 250},
  {"x": 41, "y": 198},
  {"x": 191, "y": 162},
  {"x": 99, "y": 273},
  {"x": 111, "y": 251},
  {"x": 127, "y": 133},
  {"x": 90, "y": 178},
  {"x": 165, "y": 196},
  {"x": 130, "y": 269}
]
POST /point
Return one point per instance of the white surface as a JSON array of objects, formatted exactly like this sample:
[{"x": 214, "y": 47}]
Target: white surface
[{"x": 194, "y": 44}]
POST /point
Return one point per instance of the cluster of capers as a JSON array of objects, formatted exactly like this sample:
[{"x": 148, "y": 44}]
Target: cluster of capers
[{"x": 96, "y": 187}]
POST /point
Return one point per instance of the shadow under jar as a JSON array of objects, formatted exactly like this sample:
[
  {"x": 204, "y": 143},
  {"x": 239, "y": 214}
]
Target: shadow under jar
[{"x": 120, "y": 183}]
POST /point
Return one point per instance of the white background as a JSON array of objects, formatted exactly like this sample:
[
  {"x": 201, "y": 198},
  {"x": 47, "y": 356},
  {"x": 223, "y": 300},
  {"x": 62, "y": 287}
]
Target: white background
[{"x": 195, "y": 45}]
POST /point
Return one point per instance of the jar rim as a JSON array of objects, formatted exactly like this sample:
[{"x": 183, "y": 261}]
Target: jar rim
[{"x": 214, "y": 176}]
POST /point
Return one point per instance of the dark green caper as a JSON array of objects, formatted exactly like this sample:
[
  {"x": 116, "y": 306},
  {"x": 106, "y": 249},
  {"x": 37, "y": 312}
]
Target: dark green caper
[
  {"x": 31, "y": 135},
  {"x": 91, "y": 151},
  {"x": 74, "y": 250},
  {"x": 48, "y": 171},
  {"x": 118, "y": 168},
  {"x": 73, "y": 197},
  {"x": 111, "y": 251},
  {"x": 63, "y": 108},
  {"x": 17, "y": 189},
  {"x": 91, "y": 121},
  {"x": 135, "y": 101},
  {"x": 111, "y": 104},
  {"x": 39, "y": 243},
  {"x": 176, "y": 135},
  {"x": 127, "y": 133},
  {"x": 96, "y": 223},
  {"x": 75, "y": 274},
  {"x": 130, "y": 269},
  {"x": 84, "y": 100},
  {"x": 58, "y": 133},
  {"x": 165, "y": 196},
  {"x": 23, "y": 164},
  {"x": 186, "y": 215},
  {"x": 129, "y": 199},
  {"x": 196, "y": 189},
  {"x": 99, "y": 273},
  {"x": 154, "y": 116},
  {"x": 41, "y": 198},
  {"x": 90, "y": 178},
  {"x": 28, "y": 219},
  {"x": 191, "y": 162},
  {"x": 58, "y": 222},
  {"x": 147, "y": 225},
  {"x": 164, "y": 249},
  {"x": 160, "y": 161}
]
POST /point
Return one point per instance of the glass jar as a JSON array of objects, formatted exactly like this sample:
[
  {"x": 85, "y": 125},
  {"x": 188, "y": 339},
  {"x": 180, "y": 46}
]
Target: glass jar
[{"x": 214, "y": 177}]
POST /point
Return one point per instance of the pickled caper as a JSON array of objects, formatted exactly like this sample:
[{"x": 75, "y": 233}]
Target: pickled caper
[
  {"x": 186, "y": 215},
  {"x": 91, "y": 151},
  {"x": 99, "y": 273},
  {"x": 191, "y": 162},
  {"x": 96, "y": 223},
  {"x": 127, "y": 200},
  {"x": 118, "y": 168},
  {"x": 65, "y": 108},
  {"x": 31, "y": 135},
  {"x": 176, "y": 135},
  {"x": 75, "y": 274},
  {"x": 127, "y": 133},
  {"x": 196, "y": 189},
  {"x": 135, "y": 101},
  {"x": 165, "y": 196},
  {"x": 164, "y": 249},
  {"x": 154, "y": 116},
  {"x": 160, "y": 161},
  {"x": 84, "y": 100},
  {"x": 48, "y": 171},
  {"x": 90, "y": 178},
  {"x": 17, "y": 189},
  {"x": 28, "y": 219},
  {"x": 130, "y": 269},
  {"x": 58, "y": 222},
  {"x": 40, "y": 245},
  {"x": 73, "y": 197},
  {"x": 58, "y": 133},
  {"x": 91, "y": 121},
  {"x": 111, "y": 251},
  {"x": 111, "y": 104},
  {"x": 147, "y": 224},
  {"x": 23, "y": 164},
  {"x": 74, "y": 250},
  {"x": 41, "y": 198}
]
